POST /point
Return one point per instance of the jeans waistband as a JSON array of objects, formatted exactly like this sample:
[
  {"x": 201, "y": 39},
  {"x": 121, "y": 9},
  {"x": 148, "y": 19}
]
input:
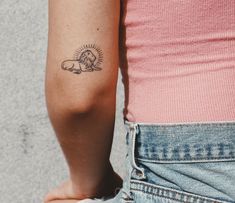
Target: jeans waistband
[{"x": 182, "y": 142}]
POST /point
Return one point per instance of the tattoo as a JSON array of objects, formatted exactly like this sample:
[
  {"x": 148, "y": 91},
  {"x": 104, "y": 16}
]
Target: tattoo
[{"x": 86, "y": 59}]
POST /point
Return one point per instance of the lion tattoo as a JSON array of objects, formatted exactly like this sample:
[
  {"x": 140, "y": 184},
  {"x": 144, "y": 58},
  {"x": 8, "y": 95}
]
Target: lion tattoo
[{"x": 87, "y": 61}]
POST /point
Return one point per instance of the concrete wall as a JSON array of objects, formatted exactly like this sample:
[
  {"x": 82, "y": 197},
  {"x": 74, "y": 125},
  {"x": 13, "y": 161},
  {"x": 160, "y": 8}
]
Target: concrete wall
[{"x": 31, "y": 160}]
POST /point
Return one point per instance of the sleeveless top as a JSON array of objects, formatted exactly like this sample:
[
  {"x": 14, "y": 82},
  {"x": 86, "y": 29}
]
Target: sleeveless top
[{"x": 177, "y": 59}]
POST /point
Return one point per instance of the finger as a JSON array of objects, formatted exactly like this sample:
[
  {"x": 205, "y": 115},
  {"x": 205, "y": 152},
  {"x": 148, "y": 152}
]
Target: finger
[
  {"x": 63, "y": 201},
  {"x": 55, "y": 194}
]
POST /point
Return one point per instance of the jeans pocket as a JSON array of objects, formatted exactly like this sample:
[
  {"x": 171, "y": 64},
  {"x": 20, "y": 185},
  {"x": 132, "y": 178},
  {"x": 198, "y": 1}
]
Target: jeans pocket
[
  {"x": 213, "y": 180},
  {"x": 143, "y": 191}
]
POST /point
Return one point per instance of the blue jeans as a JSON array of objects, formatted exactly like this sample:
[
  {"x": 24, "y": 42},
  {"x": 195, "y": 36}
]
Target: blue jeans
[{"x": 181, "y": 162}]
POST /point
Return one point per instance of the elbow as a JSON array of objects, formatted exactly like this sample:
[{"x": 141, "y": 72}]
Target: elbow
[
  {"x": 66, "y": 96},
  {"x": 75, "y": 103},
  {"x": 69, "y": 104}
]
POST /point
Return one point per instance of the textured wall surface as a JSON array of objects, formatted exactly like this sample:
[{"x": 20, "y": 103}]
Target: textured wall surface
[{"x": 31, "y": 160}]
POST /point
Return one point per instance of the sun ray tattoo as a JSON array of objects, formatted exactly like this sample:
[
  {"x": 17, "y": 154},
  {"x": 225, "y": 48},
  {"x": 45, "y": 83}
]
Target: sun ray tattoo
[{"x": 88, "y": 58}]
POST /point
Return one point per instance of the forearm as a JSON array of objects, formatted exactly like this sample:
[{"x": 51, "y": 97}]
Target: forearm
[{"x": 86, "y": 138}]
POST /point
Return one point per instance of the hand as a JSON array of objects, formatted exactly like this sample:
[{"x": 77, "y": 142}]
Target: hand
[
  {"x": 67, "y": 192},
  {"x": 64, "y": 201},
  {"x": 62, "y": 192}
]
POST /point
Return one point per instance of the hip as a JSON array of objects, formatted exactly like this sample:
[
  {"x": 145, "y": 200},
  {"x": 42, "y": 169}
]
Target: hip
[{"x": 179, "y": 163}]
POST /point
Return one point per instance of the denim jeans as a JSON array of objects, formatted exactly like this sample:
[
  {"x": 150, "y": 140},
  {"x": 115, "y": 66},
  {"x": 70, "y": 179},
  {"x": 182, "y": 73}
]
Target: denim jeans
[{"x": 179, "y": 162}]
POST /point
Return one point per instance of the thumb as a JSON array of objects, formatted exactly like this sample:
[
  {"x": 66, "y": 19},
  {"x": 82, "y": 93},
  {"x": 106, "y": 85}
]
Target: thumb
[{"x": 56, "y": 194}]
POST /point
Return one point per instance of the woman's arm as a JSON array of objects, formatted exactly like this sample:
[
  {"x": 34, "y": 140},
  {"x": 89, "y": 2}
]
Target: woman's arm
[{"x": 81, "y": 78}]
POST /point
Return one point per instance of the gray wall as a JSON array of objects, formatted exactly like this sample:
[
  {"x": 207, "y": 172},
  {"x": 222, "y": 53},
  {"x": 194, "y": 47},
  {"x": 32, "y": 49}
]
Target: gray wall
[{"x": 31, "y": 160}]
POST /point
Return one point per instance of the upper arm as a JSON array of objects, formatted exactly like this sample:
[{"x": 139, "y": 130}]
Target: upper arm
[{"x": 82, "y": 58}]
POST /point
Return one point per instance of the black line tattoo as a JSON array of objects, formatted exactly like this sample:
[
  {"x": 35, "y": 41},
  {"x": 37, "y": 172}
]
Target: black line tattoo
[{"x": 86, "y": 59}]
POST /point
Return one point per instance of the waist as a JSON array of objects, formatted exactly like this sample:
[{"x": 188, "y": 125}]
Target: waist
[
  {"x": 203, "y": 96},
  {"x": 183, "y": 142}
]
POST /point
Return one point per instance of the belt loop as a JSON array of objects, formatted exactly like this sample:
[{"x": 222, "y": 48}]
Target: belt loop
[{"x": 134, "y": 130}]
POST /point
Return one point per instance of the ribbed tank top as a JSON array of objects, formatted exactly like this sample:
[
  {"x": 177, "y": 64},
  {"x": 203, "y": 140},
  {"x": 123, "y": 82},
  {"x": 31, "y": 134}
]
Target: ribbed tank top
[{"x": 177, "y": 59}]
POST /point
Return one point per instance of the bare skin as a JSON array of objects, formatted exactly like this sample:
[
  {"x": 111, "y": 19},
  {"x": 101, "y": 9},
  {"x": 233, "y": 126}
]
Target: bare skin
[
  {"x": 64, "y": 201},
  {"x": 81, "y": 79},
  {"x": 65, "y": 190}
]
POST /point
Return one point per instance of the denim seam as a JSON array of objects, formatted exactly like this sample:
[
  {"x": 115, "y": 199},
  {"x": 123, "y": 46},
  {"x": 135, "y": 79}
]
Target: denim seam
[
  {"x": 173, "y": 191},
  {"x": 126, "y": 197},
  {"x": 230, "y": 122},
  {"x": 218, "y": 159},
  {"x": 133, "y": 131}
]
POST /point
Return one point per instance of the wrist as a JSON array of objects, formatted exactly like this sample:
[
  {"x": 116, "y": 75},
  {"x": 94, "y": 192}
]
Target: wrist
[{"x": 99, "y": 186}]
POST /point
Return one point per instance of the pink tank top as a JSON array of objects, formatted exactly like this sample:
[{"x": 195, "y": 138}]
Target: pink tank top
[{"x": 177, "y": 59}]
